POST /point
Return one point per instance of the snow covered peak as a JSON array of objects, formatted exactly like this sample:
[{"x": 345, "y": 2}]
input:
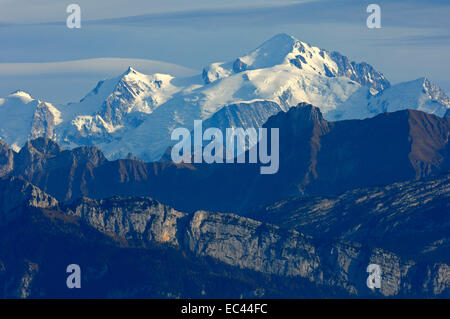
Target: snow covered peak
[
  {"x": 279, "y": 40},
  {"x": 24, "y": 117},
  {"x": 138, "y": 92},
  {"x": 285, "y": 49},
  {"x": 135, "y": 83},
  {"x": 130, "y": 70},
  {"x": 419, "y": 94},
  {"x": 288, "y": 52},
  {"x": 420, "y": 83},
  {"x": 116, "y": 104},
  {"x": 22, "y": 95},
  {"x": 424, "y": 92},
  {"x": 435, "y": 93},
  {"x": 129, "y": 92},
  {"x": 280, "y": 50},
  {"x": 136, "y": 112},
  {"x": 273, "y": 52},
  {"x": 132, "y": 75}
]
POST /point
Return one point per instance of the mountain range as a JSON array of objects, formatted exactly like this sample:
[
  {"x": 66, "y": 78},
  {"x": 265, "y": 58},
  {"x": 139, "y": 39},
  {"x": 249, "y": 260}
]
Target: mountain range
[
  {"x": 317, "y": 157},
  {"x": 347, "y": 194},
  {"x": 135, "y": 113},
  {"x": 138, "y": 247},
  {"x": 363, "y": 178}
]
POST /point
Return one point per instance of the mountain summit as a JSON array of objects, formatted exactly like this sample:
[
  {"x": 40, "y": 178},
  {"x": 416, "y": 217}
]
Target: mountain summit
[
  {"x": 24, "y": 117},
  {"x": 116, "y": 104},
  {"x": 136, "y": 113},
  {"x": 284, "y": 49},
  {"x": 419, "y": 94}
]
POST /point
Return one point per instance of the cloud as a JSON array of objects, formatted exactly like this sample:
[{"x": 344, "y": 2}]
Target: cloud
[
  {"x": 106, "y": 66},
  {"x": 41, "y": 11},
  {"x": 62, "y": 82},
  {"x": 418, "y": 40},
  {"x": 199, "y": 32},
  {"x": 201, "y": 13},
  {"x": 415, "y": 13}
]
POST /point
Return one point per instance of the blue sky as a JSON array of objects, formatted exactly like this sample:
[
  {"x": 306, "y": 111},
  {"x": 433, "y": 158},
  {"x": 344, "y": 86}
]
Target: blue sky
[{"x": 414, "y": 40}]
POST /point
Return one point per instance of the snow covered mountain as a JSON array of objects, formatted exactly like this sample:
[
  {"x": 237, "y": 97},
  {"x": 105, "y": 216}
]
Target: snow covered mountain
[
  {"x": 23, "y": 118},
  {"x": 282, "y": 70},
  {"x": 285, "y": 50},
  {"x": 136, "y": 113},
  {"x": 419, "y": 94},
  {"x": 114, "y": 105}
]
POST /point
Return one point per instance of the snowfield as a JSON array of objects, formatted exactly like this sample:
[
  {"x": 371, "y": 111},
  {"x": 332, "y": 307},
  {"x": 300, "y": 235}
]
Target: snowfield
[{"x": 136, "y": 113}]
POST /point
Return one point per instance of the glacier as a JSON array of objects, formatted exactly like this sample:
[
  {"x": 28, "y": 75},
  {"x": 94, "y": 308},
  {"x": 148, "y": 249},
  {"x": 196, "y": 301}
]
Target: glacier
[{"x": 135, "y": 113}]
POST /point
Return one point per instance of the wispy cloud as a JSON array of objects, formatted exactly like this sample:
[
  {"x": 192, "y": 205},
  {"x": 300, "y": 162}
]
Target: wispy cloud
[
  {"x": 42, "y": 11},
  {"x": 417, "y": 40},
  {"x": 62, "y": 82},
  {"x": 110, "y": 66},
  {"x": 195, "y": 33},
  {"x": 413, "y": 13}
]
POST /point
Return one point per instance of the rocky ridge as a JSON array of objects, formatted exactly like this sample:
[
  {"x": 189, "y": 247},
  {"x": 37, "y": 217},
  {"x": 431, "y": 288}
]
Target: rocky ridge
[{"x": 239, "y": 242}]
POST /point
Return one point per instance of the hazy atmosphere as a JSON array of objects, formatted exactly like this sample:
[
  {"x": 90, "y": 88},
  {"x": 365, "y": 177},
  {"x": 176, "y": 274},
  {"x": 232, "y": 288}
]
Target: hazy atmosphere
[
  {"x": 242, "y": 158},
  {"x": 413, "y": 41}
]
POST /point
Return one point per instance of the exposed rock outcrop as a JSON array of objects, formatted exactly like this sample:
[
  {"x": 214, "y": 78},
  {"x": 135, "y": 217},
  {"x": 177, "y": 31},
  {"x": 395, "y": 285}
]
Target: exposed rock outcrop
[{"x": 237, "y": 242}]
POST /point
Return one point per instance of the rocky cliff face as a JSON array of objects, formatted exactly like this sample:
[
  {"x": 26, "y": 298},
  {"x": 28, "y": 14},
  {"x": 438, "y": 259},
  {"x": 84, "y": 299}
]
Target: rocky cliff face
[
  {"x": 45, "y": 119},
  {"x": 6, "y": 159},
  {"x": 318, "y": 157},
  {"x": 362, "y": 73},
  {"x": 245, "y": 115},
  {"x": 409, "y": 218},
  {"x": 16, "y": 196},
  {"x": 318, "y": 244},
  {"x": 245, "y": 243},
  {"x": 285, "y": 49},
  {"x": 138, "y": 221},
  {"x": 232, "y": 241}
]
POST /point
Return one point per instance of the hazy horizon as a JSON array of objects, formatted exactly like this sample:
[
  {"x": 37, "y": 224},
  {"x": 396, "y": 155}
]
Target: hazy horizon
[{"x": 412, "y": 43}]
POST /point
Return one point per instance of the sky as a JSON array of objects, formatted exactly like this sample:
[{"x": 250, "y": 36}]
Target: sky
[{"x": 414, "y": 39}]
